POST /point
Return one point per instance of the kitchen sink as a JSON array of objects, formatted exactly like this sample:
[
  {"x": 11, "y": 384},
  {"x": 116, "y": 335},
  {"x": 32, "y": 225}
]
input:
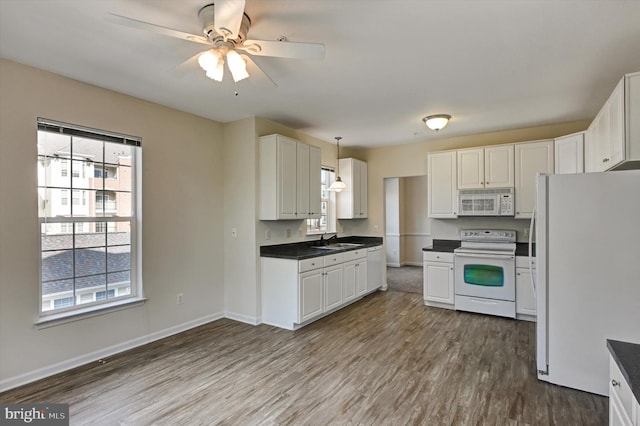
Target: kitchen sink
[{"x": 338, "y": 246}]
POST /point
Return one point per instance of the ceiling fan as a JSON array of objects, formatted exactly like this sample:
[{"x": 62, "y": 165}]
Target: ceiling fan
[{"x": 225, "y": 26}]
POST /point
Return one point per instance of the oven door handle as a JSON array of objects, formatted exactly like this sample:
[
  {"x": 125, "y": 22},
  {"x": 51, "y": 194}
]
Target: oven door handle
[{"x": 485, "y": 256}]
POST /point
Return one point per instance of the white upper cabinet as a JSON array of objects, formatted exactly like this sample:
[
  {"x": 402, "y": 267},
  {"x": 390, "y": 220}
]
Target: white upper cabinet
[
  {"x": 352, "y": 203},
  {"x": 569, "y": 154},
  {"x": 441, "y": 185},
  {"x": 471, "y": 168},
  {"x": 531, "y": 158},
  {"x": 289, "y": 179},
  {"x": 487, "y": 167},
  {"x": 613, "y": 139},
  {"x": 308, "y": 181},
  {"x": 499, "y": 166}
]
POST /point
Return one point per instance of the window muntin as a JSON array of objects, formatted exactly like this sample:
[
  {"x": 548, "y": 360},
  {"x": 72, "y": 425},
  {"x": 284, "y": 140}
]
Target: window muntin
[{"x": 88, "y": 243}]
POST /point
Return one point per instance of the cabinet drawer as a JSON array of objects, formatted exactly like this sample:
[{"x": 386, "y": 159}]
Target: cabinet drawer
[
  {"x": 523, "y": 262},
  {"x": 619, "y": 385},
  {"x": 437, "y": 256},
  {"x": 310, "y": 264},
  {"x": 354, "y": 254},
  {"x": 332, "y": 259}
]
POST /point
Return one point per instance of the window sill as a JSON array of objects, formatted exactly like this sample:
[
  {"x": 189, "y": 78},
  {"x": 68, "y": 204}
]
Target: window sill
[{"x": 52, "y": 320}]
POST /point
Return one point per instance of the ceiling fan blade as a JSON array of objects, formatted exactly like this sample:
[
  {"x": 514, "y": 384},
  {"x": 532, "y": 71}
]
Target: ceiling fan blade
[
  {"x": 228, "y": 17},
  {"x": 257, "y": 75},
  {"x": 170, "y": 32},
  {"x": 284, "y": 49},
  {"x": 187, "y": 66}
]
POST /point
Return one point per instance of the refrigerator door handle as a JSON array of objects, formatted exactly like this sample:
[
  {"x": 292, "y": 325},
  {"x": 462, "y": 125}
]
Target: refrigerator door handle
[{"x": 542, "y": 331}]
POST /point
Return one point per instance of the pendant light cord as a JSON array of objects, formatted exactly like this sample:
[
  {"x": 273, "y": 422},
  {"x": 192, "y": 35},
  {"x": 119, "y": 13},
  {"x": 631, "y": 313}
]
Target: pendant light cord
[{"x": 338, "y": 164}]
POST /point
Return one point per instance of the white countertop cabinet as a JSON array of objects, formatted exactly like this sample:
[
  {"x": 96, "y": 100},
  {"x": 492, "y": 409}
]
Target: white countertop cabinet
[
  {"x": 296, "y": 292},
  {"x": 525, "y": 297},
  {"x": 438, "y": 288},
  {"x": 622, "y": 404}
]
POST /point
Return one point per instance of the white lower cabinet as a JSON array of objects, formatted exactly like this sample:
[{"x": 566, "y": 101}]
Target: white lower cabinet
[
  {"x": 296, "y": 292},
  {"x": 438, "y": 279},
  {"x": 349, "y": 280},
  {"x": 623, "y": 406},
  {"x": 525, "y": 297},
  {"x": 332, "y": 287},
  {"x": 310, "y": 298}
]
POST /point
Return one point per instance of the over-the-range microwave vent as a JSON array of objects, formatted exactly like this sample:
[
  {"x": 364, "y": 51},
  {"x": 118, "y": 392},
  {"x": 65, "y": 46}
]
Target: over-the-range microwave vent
[{"x": 485, "y": 191}]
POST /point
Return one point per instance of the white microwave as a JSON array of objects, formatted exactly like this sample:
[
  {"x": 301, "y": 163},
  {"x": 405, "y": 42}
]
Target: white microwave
[{"x": 486, "y": 202}]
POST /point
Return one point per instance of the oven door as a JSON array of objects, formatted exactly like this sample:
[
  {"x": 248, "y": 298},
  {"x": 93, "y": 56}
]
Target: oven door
[{"x": 491, "y": 276}]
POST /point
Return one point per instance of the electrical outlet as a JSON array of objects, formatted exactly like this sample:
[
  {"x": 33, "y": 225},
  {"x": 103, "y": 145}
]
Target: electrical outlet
[
  {"x": 267, "y": 234},
  {"x": 180, "y": 299},
  {"x": 525, "y": 232},
  {"x": 288, "y": 233},
  {"x": 234, "y": 232},
  {"x": 375, "y": 228},
  {"x": 299, "y": 232}
]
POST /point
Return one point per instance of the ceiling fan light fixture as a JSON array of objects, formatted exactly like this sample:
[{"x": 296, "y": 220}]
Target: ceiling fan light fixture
[
  {"x": 237, "y": 66},
  {"x": 436, "y": 122},
  {"x": 209, "y": 60},
  {"x": 218, "y": 72}
]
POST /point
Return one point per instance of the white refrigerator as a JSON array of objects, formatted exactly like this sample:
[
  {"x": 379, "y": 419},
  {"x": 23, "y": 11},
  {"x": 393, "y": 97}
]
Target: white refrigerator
[{"x": 588, "y": 274}]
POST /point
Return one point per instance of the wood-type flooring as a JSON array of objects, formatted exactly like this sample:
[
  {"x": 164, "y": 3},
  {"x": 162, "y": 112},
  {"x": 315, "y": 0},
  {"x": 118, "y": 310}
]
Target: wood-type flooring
[{"x": 385, "y": 360}]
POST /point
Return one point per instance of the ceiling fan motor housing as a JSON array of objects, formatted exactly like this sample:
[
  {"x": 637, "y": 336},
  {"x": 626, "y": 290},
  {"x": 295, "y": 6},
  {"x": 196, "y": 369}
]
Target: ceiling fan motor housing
[{"x": 206, "y": 17}]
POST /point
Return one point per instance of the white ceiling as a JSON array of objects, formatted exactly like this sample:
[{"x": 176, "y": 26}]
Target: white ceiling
[{"x": 493, "y": 65}]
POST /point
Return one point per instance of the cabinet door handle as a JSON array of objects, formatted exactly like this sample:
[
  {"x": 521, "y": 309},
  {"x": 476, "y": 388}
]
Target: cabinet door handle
[
  {"x": 518, "y": 274},
  {"x": 614, "y": 382},
  {"x": 451, "y": 269}
]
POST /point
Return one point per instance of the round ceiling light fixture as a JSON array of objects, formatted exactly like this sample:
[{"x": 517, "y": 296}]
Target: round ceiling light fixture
[{"x": 437, "y": 121}]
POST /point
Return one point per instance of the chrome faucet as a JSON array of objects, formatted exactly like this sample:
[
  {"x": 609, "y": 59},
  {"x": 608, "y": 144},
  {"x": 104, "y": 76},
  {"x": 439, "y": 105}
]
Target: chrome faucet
[{"x": 323, "y": 241}]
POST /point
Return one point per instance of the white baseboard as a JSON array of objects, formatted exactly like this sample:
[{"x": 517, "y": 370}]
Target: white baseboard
[
  {"x": 412, "y": 264},
  {"x": 41, "y": 373},
  {"x": 243, "y": 318},
  {"x": 394, "y": 265}
]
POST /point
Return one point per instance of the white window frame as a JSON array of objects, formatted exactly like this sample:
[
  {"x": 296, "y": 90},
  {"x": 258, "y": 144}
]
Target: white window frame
[
  {"x": 136, "y": 296},
  {"x": 331, "y": 208}
]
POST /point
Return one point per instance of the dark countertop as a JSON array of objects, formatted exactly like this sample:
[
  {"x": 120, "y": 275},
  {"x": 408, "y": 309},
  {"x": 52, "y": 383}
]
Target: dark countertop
[
  {"x": 304, "y": 249},
  {"x": 627, "y": 356},
  {"x": 448, "y": 246},
  {"x": 443, "y": 246}
]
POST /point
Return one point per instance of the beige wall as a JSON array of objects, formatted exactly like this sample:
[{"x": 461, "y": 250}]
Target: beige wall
[
  {"x": 411, "y": 160},
  {"x": 182, "y": 180},
  {"x": 241, "y": 270}
]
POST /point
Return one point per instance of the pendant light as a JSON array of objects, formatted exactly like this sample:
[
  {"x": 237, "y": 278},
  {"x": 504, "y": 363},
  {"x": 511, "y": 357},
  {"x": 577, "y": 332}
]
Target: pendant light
[{"x": 338, "y": 185}]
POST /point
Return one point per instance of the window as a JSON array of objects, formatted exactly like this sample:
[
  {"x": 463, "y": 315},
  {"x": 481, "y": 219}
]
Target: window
[
  {"x": 88, "y": 249},
  {"x": 64, "y": 168},
  {"x": 326, "y": 222}
]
